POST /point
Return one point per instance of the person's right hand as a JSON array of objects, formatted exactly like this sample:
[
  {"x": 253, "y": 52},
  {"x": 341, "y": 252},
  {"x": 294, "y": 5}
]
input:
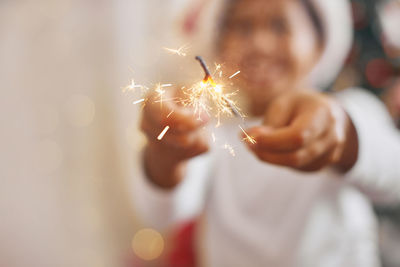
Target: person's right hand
[{"x": 165, "y": 159}]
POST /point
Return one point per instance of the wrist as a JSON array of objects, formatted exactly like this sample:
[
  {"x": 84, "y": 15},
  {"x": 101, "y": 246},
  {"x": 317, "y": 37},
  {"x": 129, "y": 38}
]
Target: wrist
[
  {"x": 162, "y": 169},
  {"x": 350, "y": 151}
]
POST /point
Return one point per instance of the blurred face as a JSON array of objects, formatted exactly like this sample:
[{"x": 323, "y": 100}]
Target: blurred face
[{"x": 274, "y": 45}]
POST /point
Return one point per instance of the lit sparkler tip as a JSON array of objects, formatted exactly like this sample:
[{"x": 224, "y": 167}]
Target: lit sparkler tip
[
  {"x": 218, "y": 88},
  {"x": 161, "y": 135},
  {"x": 233, "y": 75},
  {"x": 207, "y": 90}
]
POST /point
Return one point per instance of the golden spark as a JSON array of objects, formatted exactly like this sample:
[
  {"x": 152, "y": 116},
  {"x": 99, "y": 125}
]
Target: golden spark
[
  {"x": 160, "y": 93},
  {"x": 233, "y": 75},
  {"x": 132, "y": 86},
  {"x": 248, "y": 138},
  {"x": 138, "y": 101},
  {"x": 161, "y": 135},
  {"x": 181, "y": 51},
  {"x": 172, "y": 111}
]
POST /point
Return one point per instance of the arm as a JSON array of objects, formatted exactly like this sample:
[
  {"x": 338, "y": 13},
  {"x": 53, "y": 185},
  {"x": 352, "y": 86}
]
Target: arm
[
  {"x": 354, "y": 134},
  {"x": 377, "y": 169},
  {"x": 170, "y": 184},
  {"x": 161, "y": 208}
]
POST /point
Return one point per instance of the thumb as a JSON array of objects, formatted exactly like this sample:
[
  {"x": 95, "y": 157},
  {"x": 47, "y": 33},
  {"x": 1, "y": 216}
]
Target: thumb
[{"x": 279, "y": 113}]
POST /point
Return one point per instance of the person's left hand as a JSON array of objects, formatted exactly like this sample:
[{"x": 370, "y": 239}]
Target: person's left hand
[{"x": 306, "y": 131}]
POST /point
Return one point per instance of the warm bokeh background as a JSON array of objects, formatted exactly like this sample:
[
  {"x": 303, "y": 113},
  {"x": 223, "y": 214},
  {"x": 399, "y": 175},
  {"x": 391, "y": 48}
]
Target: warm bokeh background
[{"x": 68, "y": 133}]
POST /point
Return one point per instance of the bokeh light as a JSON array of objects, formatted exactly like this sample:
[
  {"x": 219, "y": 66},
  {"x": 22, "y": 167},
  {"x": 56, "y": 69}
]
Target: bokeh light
[
  {"x": 80, "y": 110},
  {"x": 148, "y": 244},
  {"x": 378, "y": 72}
]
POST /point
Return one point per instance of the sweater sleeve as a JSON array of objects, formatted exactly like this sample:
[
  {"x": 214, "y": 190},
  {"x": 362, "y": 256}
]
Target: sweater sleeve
[
  {"x": 377, "y": 170},
  {"x": 159, "y": 208}
]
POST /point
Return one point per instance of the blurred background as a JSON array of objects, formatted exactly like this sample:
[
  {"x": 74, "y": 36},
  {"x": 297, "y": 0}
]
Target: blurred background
[
  {"x": 69, "y": 138},
  {"x": 68, "y": 134}
]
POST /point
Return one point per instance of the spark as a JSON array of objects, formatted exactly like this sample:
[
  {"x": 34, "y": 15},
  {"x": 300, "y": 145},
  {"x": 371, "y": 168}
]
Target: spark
[
  {"x": 172, "y": 111},
  {"x": 160, "y": 93},
  {"x": 233, "y": 75},
  {"x": 166, "y": 99},
  {"x": 218, "y": 70},
  {"x": 181, "y": 51},
  {"x": 161, "y": 135},
  {"x": 132, "y": 86},
  {"x": 208, "y": 96},
  {"x": 248, "y": 138},
  {"x": 138, "y": 101},
  {"x": 230, "y": 149}
]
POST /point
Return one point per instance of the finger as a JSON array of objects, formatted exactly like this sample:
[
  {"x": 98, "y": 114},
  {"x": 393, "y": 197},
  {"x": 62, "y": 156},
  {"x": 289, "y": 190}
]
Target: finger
[
  {"x": 195, "y": 148},
  {"x": 278, "y": 113},
  {"x": 171, "y": 138},
  {"x": 299, "y": 158},
  {"x": 198, "y": 147},
  {"x": 337, "y": 153},
  {"x": 180, "y": 119},
  {"x": 305, "y": 127},
  {"x": 332, "y": 156},
  {"x": 320, "y": 163}
]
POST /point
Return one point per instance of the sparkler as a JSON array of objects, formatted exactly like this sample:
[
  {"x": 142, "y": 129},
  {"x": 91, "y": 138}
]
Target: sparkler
[
  {"x": 221, "y": 100},
  {"x": 218, "y": 88},
  {"x": 207, "y": 95}
]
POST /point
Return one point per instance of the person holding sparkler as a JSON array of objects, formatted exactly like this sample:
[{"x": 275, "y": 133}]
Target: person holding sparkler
[{"x": 297, "y": 195}]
